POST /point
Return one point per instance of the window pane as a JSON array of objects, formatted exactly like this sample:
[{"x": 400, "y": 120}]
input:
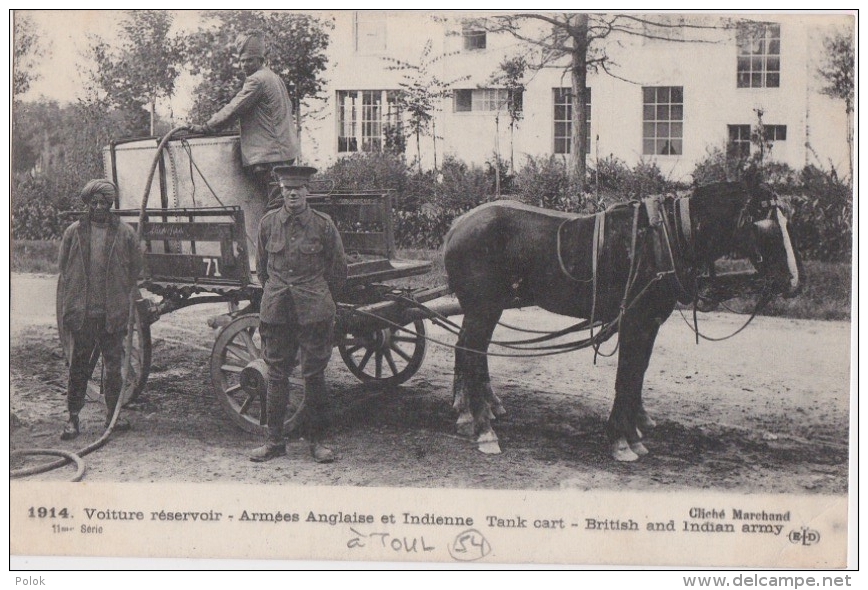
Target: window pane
[
  {"x": 562, "y": 129},
  {"x": 676, "y": 130},
  {"x": 648, "y": 112},
  {"x": 663, "y": 94},
  {"x": 775, "y": 47},
  {"x": 648, "y": 95},
  {"x": 677, "y": 112},
  {"x": 662, "y": 129},
  {"x": 648, "y": 146},
  {"x": 773, "y": 80},
  {"x": 462, "y": 100},
  {"x": 677, "y": 147},
  {"x": 560, "y": 112},
  {"x": 663, "y": 113},
  {"x": 677, "y": 94},
  {"x": 774, "y": 64},
  {"x": 648, "y": 130}
]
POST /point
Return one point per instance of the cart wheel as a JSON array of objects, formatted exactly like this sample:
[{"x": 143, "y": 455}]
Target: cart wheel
[
  {"x": 141, "y": 360},
  {"x": 239, "y": 377},
  {"x": 388, "y": 356}
]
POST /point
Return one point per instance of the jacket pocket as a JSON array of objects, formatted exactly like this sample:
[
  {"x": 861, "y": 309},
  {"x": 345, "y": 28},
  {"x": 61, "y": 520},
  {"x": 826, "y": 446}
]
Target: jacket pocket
[{"x": 277, "y": 254}]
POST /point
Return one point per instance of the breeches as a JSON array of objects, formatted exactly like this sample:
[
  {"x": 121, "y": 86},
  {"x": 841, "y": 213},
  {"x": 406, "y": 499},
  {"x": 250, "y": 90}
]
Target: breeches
[
  {"x": 85, "y": 342},
  {"x": 284, "y": 345},
  {"x": 262, "y": 177}
]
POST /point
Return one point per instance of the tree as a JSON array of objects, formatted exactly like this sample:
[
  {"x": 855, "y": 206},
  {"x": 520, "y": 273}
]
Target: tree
[
  {"x": 144, "y": 68},
  {"x": 837, "y": 74},
  {"x": 510, "y": 74},
  {"x": 27, "y": 49},
  {"x": 577, "y": 42},
  {"x": 296, "y": 44},
  {"x": 421, "y": 94}
]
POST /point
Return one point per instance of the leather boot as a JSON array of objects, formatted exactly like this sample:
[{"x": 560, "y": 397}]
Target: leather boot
[
  {"x": 70, "y": 430},
  {"x": 275, "y": 446},
  {"x": 317, "y": 419}
]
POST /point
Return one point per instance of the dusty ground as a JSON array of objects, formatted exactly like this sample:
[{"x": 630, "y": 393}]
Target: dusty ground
[{"x": 767, "y": 411}]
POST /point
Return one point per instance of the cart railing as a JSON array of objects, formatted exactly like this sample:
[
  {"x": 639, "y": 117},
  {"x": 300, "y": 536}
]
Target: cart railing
[
  {"x": 194, "y": 246},
  {"x": 363, "y": 219}
]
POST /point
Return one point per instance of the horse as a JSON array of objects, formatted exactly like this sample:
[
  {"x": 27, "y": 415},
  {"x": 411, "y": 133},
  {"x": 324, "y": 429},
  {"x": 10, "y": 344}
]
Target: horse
[{"x": 623, "y": 270}]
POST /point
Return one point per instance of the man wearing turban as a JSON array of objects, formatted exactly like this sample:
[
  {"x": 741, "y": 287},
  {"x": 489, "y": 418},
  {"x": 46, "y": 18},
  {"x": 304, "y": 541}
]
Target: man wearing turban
[
  {"x": 100, "y": 262},
  {"x": 268, "y": 134}
]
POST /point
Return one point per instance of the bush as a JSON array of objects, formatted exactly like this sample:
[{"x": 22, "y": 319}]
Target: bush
[
  {"x": 822, "y": 216},
  {"x": 36, "y": 207},
  {"x": 545, "y": 182}
]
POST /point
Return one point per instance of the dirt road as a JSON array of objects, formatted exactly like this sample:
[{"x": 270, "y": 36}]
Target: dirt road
[{"x": 766, "y": 411}]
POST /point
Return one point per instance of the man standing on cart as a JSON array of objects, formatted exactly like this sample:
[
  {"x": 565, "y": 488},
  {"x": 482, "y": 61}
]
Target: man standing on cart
[
  {"x": 301, "y": 264},
  {"x": 263, "y": 106}
]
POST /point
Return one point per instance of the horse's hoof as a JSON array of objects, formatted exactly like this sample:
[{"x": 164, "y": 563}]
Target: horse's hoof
[
  {"x": 646, "y": 422},
  {"x": 464, "y": 424},
  {"x": 488, "y": 443},
  {"x": 498, "y": 410},
  {"x": 464, "y": 428},
  {"x": 621, "y": 451},
  {"x": 639, "y": 449}
]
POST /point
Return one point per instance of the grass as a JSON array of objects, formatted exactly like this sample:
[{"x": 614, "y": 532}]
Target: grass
[
  {"x": 37, "y": 256},
  {"x": 826, "y": 295}
]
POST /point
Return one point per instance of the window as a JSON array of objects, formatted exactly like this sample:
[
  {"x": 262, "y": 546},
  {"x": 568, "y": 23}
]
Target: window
[
  {"x": 741, "y": 138},
  {"x": 775, "y": 132},
  {"x": 739, "y": 141},
  {"x": 474, "y": 38},
  {"x": 759, "y": 56},
  {"x": 370, "y": 31},
  {"x": 486, "y": 100},
  {"x": 662, "y": 120},
  {"x": 363, "y": 118},
  {"x": 563, "y": 105}
]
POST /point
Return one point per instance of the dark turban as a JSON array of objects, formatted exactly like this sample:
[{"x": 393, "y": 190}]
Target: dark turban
[
  {"x": 251, "y": 44},
  {"x": 99, "y": 185}
]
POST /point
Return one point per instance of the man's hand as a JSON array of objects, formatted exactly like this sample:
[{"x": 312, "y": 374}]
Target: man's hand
[{"x": 198, "y": 129}]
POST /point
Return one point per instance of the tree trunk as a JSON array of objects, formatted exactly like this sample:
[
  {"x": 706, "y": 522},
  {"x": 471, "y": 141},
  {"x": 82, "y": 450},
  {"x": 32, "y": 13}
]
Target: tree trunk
[
  {"x": 298, "y": 158},
  {"x": 579, "y": 76},
  {"x": 153, "y": 116},
  {"x": 850, "y": 141}
]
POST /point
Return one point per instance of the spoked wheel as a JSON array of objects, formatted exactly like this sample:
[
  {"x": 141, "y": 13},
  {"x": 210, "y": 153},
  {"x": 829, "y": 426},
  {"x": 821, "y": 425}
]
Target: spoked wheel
[
  {"x": 141, "y": 357},
  {"x": 388, "y": 356},
  {"x": 239, "y": 377}
]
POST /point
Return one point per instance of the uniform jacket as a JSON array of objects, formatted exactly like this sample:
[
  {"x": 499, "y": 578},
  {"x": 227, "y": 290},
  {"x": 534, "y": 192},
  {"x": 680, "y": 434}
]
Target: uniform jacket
[
  {"x": 268, "y": 132},
  {"x": 124, "y": 264},
  {"x": 301, "y": 264}
]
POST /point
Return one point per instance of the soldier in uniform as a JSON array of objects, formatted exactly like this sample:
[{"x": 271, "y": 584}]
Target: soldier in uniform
[
  {"x": 301, "y": 264},
  {"x": 100, "y": 261},
  {"x": 268, "y": 134}
]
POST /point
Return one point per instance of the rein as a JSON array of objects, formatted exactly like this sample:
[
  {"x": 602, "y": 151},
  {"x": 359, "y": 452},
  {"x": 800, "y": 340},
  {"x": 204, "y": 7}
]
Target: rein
[{"x": 682, "y": 212}]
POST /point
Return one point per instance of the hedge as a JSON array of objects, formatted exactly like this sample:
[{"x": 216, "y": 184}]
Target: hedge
[{"x": 425, "y": 203}]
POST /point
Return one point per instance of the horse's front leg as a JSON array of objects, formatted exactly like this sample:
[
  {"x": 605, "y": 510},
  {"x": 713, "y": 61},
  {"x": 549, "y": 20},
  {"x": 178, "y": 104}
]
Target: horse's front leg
[{"x": 628, "y": 417}]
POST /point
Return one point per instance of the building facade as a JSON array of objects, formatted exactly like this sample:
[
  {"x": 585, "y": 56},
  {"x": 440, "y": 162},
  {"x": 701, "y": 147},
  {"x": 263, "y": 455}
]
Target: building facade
[{"x": 665, "y": 101}]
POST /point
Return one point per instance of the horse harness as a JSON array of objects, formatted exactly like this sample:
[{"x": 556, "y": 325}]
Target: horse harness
[{"x": 668, "y": 229}]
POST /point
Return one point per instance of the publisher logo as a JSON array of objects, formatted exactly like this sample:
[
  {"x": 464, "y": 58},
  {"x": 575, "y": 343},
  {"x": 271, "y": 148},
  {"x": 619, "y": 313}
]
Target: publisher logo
[{"x": 804, "y": 536}]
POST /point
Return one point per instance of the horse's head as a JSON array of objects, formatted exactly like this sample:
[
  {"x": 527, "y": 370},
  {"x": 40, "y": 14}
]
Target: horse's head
[{"x": 763, "y": 235}]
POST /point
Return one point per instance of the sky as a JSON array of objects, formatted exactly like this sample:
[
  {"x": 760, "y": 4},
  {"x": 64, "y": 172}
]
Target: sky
[{"x": 67, "y": 35}]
